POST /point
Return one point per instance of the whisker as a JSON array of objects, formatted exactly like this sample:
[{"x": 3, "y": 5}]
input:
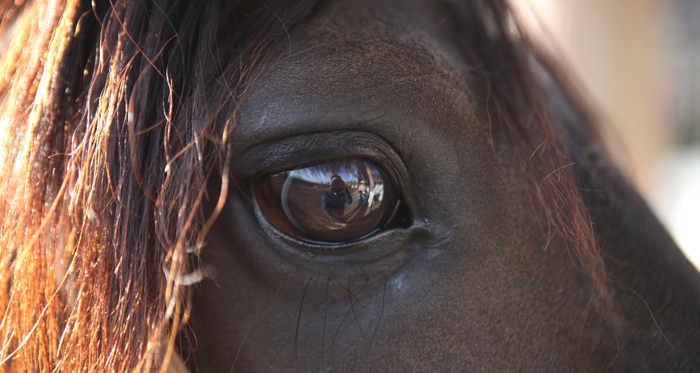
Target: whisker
[
  {"x": 325, "y": 318},
  {"x": 352, "y": 306},
  {"x": 301, "y": 306},
  {"x": 336, "y": 334},
  {"x": 267, "y": 296},
  {"x": 381, "y": 313}
]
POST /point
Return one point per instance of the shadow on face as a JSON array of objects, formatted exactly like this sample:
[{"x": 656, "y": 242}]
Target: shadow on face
[{"x": 463, "y": 283}]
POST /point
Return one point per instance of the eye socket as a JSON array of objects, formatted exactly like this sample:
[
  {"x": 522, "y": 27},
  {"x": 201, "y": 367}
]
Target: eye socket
[{"x": 332, "y": 202}]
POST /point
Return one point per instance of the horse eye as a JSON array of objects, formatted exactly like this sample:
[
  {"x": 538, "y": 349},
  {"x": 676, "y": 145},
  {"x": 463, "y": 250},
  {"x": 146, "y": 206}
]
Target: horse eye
[{"x": 331, "y": 202}]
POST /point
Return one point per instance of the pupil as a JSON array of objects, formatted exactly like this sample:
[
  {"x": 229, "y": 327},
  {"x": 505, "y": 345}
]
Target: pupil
[{"x": 334, "y": 201}]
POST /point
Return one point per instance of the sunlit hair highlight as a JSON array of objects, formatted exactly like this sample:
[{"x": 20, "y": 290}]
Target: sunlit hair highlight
[{"x": 115, "y": 114}]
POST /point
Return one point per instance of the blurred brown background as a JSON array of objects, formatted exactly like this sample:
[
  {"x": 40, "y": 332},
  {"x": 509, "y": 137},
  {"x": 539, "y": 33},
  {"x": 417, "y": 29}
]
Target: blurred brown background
[{"x": 639, "y": 61}]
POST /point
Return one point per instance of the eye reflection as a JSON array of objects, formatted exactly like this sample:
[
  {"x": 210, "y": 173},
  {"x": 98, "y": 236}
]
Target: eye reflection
[{"x": 335, "y": 201}]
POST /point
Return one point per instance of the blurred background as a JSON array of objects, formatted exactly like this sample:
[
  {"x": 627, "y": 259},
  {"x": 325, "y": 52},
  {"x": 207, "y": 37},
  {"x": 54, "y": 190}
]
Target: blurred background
[{"x": 639, "y": 62}]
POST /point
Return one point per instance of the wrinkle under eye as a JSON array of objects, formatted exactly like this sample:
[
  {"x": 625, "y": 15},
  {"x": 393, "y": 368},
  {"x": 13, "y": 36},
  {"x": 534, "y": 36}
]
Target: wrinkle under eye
[{"x": 331, "y": 202}]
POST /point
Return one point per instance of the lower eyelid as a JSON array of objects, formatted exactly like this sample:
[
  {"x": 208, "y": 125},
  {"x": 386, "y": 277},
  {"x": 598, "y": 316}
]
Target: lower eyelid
[{"x": 370, "y": 256}]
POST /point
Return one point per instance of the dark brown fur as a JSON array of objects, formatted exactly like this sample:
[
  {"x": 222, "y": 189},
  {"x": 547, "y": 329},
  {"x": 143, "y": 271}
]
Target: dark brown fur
[{"x": 116, "y": 117}]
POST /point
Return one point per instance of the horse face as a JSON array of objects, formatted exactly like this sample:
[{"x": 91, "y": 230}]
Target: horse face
[{"x": 470, "y": 281}]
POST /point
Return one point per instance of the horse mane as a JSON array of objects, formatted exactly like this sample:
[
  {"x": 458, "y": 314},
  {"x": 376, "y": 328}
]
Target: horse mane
[{"x": 114, "y": 118}]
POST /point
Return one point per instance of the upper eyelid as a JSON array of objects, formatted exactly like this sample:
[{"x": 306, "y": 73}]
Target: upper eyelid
[{"x": 289, "y": 153}]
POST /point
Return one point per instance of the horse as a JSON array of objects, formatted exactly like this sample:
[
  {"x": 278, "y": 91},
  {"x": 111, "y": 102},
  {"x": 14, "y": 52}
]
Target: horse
[{"x": 169, "y": 169}]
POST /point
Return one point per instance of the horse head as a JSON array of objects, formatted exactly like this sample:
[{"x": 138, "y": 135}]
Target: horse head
[{"x": 349, "y": 186}]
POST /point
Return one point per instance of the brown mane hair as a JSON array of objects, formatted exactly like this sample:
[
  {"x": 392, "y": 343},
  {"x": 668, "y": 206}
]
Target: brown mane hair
[
  {"x": 115, "y": 115},
  {"x": 515, "y": 98}
]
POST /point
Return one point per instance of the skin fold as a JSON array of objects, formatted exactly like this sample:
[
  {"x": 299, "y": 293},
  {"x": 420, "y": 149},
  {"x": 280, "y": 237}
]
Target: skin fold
[{"x": 475, "y": 282}]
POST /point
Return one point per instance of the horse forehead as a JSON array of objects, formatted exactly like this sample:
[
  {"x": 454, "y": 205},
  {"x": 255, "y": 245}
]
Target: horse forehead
[
  {"x": 360, "y": 68},
  {"x": 384, "y": 18},
  {"x": 382, "y": 86},
  {"x": 350, "y": 67},
  {"x": 351, "y": 46}
]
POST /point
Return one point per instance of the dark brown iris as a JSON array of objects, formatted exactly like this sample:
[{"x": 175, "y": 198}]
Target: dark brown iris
[{"x": 334, "y": 201}]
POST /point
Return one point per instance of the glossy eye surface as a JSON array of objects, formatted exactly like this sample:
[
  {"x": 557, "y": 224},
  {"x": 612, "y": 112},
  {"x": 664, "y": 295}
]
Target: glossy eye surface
[{"x": 330, "y": 202}]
